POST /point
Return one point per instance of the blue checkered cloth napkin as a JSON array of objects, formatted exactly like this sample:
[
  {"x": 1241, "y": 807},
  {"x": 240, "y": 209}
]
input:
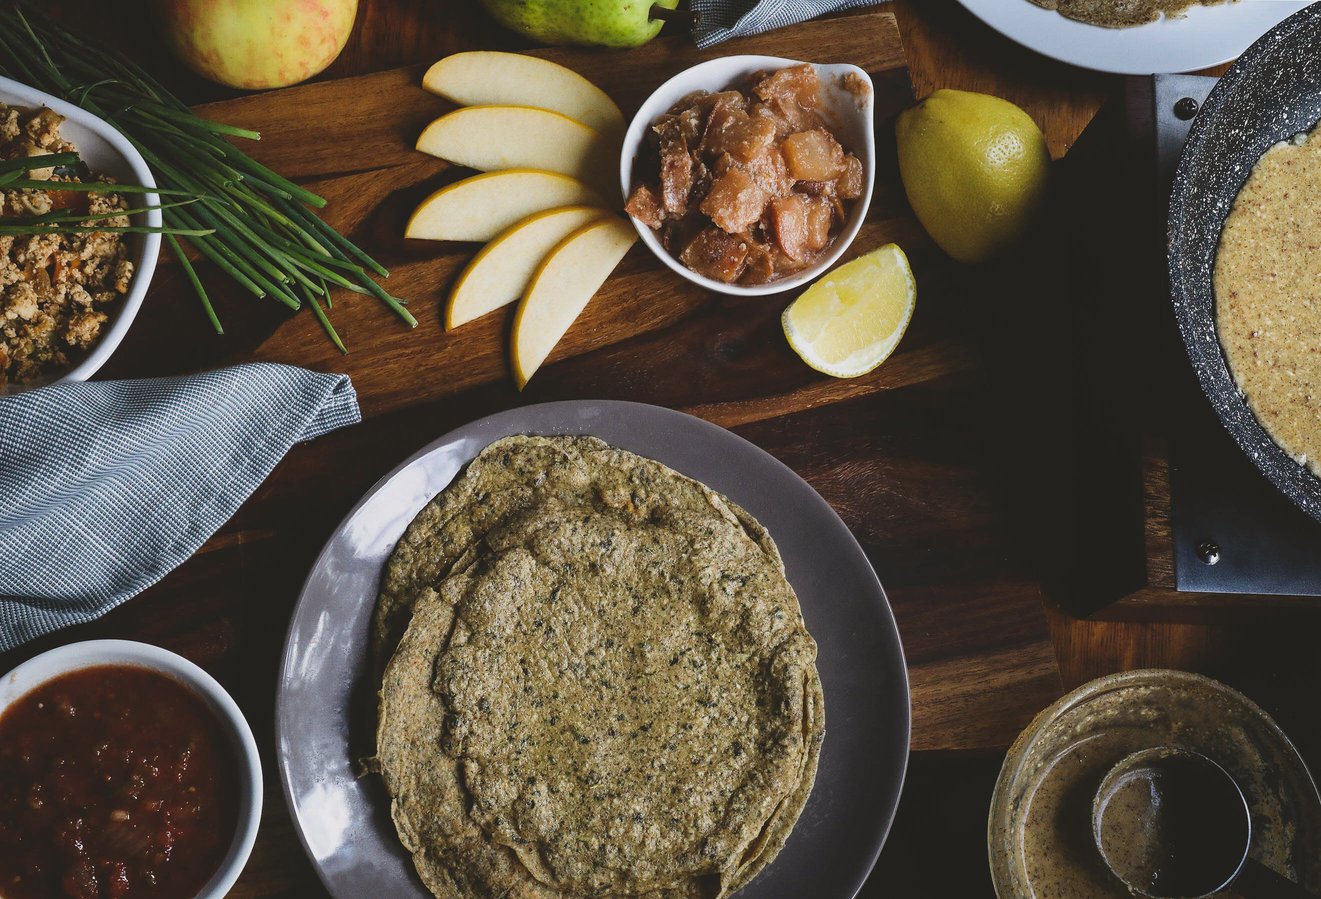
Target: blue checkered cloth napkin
[
  {"x": 107, "y": 486},
  {"x": 719, "y": 20}
]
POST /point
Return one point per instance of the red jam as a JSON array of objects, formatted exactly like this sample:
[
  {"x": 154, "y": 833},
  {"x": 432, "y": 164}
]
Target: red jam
[{"x": 115, "y": 781}]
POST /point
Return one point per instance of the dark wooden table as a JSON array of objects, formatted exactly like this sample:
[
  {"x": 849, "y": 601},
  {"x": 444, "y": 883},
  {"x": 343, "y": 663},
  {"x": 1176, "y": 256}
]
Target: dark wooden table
[{"x": 923, "y": 467}]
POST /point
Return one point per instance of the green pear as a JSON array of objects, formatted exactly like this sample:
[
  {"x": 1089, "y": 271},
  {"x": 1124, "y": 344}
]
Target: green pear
[{"x": 599, "y": 23}]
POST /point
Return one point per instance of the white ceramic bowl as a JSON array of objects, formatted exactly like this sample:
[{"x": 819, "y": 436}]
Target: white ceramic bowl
[
  {"x": 107, "y": 151},
  {"x": 76, "y": 656},
  {"x": 849, "y": 115}
]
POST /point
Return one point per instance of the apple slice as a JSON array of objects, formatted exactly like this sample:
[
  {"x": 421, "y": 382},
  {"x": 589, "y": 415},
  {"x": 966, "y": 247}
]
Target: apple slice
[
  {"x": 566, "y": 279},
  {"x": 490, "y": 77},
  {"x": 498, "y": 275},
  {"x": 480, "y": 207},
  {"x": 494, "y": 138}
]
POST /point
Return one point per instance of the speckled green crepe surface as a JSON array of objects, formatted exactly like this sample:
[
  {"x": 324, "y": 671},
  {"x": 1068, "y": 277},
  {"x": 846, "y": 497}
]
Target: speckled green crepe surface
[
  {"x": 1121, "y": 13},
  {"x": 519, "y": 473},
  {"x": 605, "y": 687}
]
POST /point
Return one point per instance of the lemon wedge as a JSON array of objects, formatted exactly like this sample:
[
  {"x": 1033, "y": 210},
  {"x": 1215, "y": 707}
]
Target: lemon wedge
[{"x": 851, "y": 320}]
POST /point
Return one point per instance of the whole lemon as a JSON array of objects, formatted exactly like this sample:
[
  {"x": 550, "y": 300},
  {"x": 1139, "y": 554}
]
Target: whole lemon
[{"x": 974, "y": 168}]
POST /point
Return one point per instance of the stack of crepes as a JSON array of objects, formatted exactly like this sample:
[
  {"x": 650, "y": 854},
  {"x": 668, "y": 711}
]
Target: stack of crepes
[{"x": 598, "y": 683}]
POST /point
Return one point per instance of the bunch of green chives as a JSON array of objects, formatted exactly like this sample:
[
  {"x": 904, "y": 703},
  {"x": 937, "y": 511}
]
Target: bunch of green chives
[{"x": 251, "y": 223}]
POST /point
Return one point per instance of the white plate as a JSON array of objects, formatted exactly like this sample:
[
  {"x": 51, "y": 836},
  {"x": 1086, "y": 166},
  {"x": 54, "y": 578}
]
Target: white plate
[
  {"x": 108, "y": 152},
  {"x": 1205, "y": 36}
]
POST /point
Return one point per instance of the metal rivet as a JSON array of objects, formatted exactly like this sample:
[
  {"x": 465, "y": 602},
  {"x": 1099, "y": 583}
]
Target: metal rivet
[
  {"x": 1208, "y": 551},
  {"x": 1186, "y": 108}
]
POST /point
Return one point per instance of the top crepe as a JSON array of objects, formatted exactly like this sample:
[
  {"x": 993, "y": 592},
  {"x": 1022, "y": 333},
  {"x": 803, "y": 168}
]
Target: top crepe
[{"x": 603, "y": 686}]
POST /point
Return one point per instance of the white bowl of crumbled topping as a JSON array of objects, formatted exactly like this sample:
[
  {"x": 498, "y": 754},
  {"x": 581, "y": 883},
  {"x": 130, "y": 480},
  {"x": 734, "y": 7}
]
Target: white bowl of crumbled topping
[
  {"x": 105, "y": 152},
  {"x": 751, "y": 175}
]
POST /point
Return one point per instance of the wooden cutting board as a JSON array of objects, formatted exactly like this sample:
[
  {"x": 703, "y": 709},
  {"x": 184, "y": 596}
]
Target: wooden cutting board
[{"x": 901, "y": 453}]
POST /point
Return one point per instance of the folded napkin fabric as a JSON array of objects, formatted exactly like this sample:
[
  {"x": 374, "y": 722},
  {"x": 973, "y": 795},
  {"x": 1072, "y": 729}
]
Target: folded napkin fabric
[
  {"x": 107, "y": 486},
  {"x": 719, "y": 20}
]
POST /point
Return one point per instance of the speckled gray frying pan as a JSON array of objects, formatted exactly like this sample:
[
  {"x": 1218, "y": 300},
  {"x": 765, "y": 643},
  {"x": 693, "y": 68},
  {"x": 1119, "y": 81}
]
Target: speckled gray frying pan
[{"x": 1272, "y": 93}]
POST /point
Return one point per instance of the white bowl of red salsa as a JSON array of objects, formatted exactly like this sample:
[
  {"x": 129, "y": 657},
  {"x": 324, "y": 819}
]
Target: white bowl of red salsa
[{"x": 125, "y": 770}]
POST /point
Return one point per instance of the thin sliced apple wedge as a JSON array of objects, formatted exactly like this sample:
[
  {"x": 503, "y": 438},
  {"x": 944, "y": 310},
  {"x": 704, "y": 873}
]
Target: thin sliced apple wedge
[
  {"x": 501, "y": 272},
  {"x": 564, "y": 282},
  {"x": 480, "y": 207},
  {"x": 493, "y": 78},
  {"x": 494, "y": 138}
]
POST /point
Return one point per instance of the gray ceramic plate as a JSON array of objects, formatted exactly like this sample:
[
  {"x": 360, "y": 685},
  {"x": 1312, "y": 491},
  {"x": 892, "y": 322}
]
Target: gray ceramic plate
[{"x": 325, "y": 705}]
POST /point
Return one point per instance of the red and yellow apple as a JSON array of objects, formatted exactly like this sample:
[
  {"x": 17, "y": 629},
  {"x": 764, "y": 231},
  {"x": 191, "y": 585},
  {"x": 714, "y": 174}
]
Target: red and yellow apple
[{"x": 256, "y": 44}]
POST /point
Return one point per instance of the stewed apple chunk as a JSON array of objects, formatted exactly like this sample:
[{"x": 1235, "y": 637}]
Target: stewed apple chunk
[
  {"x": 735, "y": 201},
  {"x": 792, "y": 93},
  {"x": 644, "y": 204},
  {"x": 767, "y": 168},
  {"x": 742, "y": 136},
  {"x": 849, "y": 186},
  {"x": 801, "y": 225},
  {"x": 716, "y": 255},
  {"x": 676, "y": 171},
  {"x": 814, "y": 155}
]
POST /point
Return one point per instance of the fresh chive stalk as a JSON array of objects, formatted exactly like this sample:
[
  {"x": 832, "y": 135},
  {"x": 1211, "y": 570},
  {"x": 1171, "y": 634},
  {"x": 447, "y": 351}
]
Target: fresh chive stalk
[
  {"x": 252, "y": 223},
  {"x": 82, "y": 223},
  {"x": 60, "y": 221},
  {"x": 16, "y": 168}
]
